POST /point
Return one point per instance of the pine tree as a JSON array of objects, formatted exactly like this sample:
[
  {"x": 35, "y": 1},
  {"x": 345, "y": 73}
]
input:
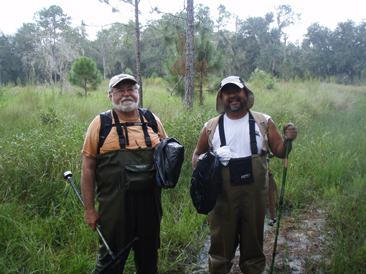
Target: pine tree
[{"x": 84, "y": 72}]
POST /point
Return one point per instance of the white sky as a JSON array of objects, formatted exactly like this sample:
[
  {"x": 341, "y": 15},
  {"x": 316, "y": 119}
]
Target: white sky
[{"x": 328, "y": 13}]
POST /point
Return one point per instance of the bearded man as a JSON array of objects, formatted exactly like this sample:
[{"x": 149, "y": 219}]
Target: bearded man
[
  {"x": 120, "y": 161},
  {"x": 241, "y": 138}
]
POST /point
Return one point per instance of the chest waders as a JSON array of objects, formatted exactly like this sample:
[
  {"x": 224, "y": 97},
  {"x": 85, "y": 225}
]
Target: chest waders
[
  {"x": 129, "y": 203},
  {"x": 238, "y": 216}
]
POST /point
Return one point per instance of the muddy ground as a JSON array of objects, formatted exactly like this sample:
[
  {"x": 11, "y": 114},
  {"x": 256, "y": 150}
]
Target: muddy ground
[{"x": 300, "y": 245}]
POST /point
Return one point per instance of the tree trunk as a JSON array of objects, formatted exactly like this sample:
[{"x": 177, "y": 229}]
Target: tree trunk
[
  {"x": 201, "y": 90},
  {"x": 138, "y": 53},
  {"x": 85, "y": 88},
  {"x": 103, "y": 67},
  {"x": 284, "y": 48},
  {"x": 50, "y": 78},
  {"x": 189, "y": 86},
  {"x": 61, "y": 85}
]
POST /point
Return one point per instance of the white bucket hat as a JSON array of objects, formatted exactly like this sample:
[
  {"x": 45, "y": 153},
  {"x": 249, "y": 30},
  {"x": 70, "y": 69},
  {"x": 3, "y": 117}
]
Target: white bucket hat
[{"x": 236, "y": 81}]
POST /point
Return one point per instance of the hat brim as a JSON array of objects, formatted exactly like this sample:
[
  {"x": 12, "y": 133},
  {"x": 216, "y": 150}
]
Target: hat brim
[
  {"x": 125, "y": 79},
  {"x": 220, "y": 104}
]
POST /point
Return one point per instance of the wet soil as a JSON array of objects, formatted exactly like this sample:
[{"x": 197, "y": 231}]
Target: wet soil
[{"x": 300, "y": 245}]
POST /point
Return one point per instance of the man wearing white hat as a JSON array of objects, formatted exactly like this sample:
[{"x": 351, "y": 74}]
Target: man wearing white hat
[
  {"x": 241, "y": 138},
  {"x": 118, "y": 156}
]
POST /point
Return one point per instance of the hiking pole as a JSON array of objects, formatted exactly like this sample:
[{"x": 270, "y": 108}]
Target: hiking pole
[
  {"x": 281, "y": 202},
  {"x": 115, "y": 258}
]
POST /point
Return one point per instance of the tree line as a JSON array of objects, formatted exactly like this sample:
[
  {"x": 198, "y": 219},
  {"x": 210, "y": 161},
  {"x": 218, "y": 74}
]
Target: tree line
[{"x": 43, "y": 51}]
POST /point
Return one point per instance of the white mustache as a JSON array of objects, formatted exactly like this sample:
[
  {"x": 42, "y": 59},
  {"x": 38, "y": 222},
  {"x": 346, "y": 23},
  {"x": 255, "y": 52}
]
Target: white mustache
[{"x": 126, "y": 98}]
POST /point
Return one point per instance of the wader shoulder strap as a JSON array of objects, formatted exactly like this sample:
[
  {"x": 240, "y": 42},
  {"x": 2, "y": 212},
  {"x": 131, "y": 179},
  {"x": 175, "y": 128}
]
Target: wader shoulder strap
[
  {"x": 262, "y": 123},
  {"x": 221, "y": 131},
  {"x": 150, "y": 119},
  {"x": 122, "y": 142},
  {"x": 144, "y": 128},
  {"x": 253, "y": 139},
  {"x": 106, "y": 126},
  {"x": 119, "y": 126}
]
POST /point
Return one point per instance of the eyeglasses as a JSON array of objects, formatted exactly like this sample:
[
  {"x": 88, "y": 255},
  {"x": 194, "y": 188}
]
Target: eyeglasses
[{"x": 120, "y": 92}]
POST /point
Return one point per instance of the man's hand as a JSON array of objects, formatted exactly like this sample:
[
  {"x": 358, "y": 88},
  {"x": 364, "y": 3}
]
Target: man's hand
[
  {"x": 290, "y": 132},
  {"x": 92, "y": 218}
]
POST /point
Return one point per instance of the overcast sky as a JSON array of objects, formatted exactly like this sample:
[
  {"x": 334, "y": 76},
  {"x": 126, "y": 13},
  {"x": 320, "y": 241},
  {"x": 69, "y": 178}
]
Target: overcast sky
[{"x": 328, "y": 13}]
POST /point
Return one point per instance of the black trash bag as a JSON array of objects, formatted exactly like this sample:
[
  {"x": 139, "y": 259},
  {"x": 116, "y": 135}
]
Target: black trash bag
[
  {"x": 206, "y": 182},
  {"x": 168, "y": 159}
]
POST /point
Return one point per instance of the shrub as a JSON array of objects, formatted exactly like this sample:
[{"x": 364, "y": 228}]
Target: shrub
[
  {"x": 128, "y": 71},
  {"x": 260, "y": 78}
]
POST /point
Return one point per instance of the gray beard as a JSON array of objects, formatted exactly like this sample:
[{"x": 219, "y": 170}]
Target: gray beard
[{"x": 122, "y": 108}]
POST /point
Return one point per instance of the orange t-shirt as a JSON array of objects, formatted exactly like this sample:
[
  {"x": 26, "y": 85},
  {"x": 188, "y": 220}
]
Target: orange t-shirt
[{"x": 135, "y": 136}]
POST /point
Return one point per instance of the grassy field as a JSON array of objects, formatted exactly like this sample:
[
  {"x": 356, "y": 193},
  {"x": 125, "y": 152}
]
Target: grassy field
[{"x": 42, "y": 225}]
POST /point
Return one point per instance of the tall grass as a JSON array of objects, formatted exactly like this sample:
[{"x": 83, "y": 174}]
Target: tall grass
[{"x": 42, "y": 228}]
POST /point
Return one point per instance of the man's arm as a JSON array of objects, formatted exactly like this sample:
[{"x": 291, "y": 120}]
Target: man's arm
[
  {"x": 87, "y": 188},
  {"x": 202, "y": 147},
  {"x": 276, "y": 142}
]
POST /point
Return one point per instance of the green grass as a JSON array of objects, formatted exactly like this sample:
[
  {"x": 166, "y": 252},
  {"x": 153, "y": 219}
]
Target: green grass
[
  {"x": 42, "y": 225},
  {"x": 348, "y": 248}
]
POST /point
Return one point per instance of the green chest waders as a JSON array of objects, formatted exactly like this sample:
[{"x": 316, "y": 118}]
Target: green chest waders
[
  {"x": 238, "y": 216},
  {"x": 129, "y": 204}
]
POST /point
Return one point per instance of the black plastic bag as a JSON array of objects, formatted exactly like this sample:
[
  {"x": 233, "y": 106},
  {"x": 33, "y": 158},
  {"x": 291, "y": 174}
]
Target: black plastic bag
[
  {"x": 168, "y": 159},
  {"x": 206, "y": 182}
]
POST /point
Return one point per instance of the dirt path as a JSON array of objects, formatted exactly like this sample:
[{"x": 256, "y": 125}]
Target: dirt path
[{"x": 300, "y": 244}]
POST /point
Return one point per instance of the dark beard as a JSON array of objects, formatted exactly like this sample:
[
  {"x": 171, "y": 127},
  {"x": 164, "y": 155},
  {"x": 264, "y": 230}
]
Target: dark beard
[{"x": 236, "y": 109}]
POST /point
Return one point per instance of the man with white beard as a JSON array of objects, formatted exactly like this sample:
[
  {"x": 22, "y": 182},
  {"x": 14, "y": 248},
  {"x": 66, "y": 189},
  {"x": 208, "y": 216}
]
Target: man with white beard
[{"x": 120, "y": 160}]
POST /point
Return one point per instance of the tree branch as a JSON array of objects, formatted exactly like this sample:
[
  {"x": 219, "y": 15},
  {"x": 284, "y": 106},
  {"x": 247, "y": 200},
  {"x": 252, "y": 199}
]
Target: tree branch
[{"x": 180, "y": 80}]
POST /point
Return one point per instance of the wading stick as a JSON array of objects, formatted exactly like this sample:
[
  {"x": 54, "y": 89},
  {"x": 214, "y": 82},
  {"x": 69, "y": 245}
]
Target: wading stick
[
  {"x": 67, "y": 175},
  {"x": 281, "y": 205}
]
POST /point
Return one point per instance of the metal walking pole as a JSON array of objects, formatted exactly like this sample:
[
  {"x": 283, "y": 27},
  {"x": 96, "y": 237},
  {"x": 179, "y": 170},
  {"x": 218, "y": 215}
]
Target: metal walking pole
[
  {"x": 115, "y": 258},
  {"x": 281, "y": 205}
]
